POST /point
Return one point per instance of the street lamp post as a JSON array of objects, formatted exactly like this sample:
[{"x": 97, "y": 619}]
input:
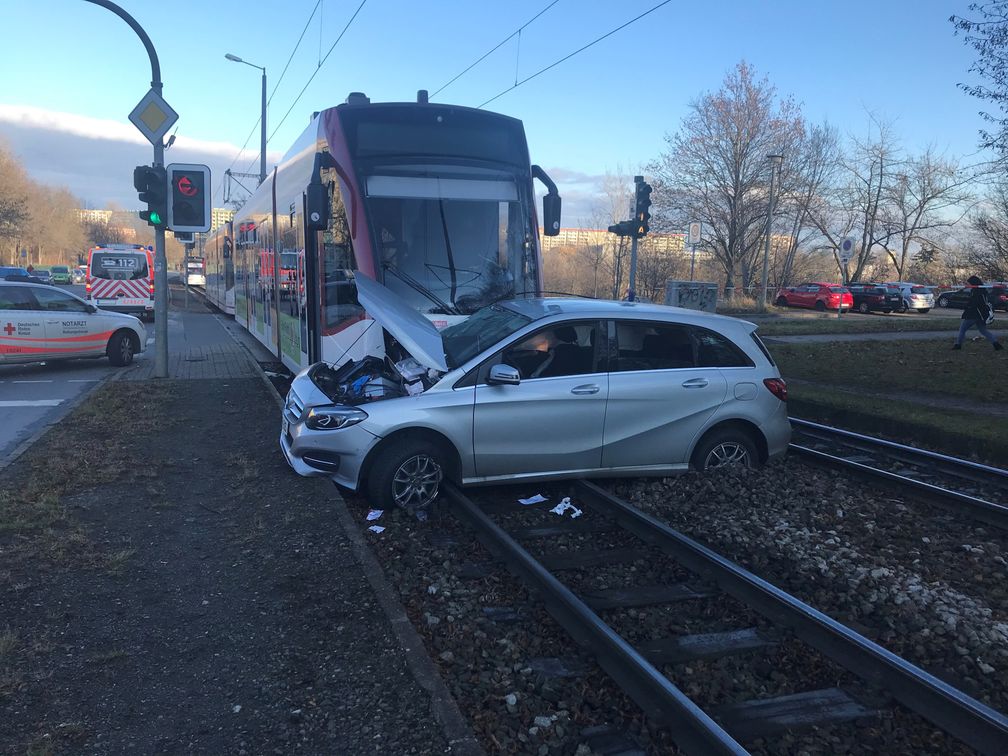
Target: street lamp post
[
  {"x": 262, "y": 131},
  {"x": 775, "y": 161}
]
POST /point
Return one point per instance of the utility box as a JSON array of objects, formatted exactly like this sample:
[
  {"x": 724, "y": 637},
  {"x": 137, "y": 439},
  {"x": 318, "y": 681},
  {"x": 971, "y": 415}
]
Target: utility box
[{"x": 695, "y": 295}]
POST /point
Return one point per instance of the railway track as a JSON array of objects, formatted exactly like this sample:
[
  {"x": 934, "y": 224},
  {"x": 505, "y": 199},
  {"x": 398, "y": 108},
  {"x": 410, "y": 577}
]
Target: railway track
[
  {"x": 979, "y": 490},
  {"x": 593, "y": 618}
]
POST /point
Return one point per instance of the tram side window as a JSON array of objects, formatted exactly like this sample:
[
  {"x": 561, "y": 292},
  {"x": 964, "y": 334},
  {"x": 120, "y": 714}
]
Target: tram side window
[{"x": 339, "y": 294}]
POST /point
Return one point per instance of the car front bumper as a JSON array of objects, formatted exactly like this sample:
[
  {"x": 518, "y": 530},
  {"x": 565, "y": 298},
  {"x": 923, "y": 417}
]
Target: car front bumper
[{"x": 334, "y": 454}]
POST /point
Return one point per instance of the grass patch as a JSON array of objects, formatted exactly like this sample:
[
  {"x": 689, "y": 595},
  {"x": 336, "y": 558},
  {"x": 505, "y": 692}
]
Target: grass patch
[
  {"x": 803, "y": 324},
  {"x": 63, "y": 463},
  {"x": 911, "y": 368},
  {"x": 954, "y": 432}
]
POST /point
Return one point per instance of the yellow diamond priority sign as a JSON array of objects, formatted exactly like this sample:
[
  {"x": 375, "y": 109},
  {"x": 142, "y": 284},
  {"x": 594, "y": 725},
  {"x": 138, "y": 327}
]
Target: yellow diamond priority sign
[{"x": 153, "y": 116}]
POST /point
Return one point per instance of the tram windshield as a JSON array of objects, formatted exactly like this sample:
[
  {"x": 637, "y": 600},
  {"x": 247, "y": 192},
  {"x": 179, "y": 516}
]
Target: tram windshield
[{"x": 450, "y": 239}]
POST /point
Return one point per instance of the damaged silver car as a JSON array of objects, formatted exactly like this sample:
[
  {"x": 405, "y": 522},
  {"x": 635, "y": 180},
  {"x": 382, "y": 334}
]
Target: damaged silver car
[{"x": 533, "y": 390}]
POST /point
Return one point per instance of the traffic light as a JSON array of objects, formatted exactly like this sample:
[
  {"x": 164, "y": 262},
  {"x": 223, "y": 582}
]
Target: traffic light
[
  {"x": 623, "y": 228},
  {"x": 642, "y": 203},
  {"x": 152, "y": 186},
  {"x": 189, "y": 205}
]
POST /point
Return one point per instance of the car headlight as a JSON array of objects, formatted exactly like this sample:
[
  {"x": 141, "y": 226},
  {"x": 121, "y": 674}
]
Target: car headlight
[{"x": 333, "y": 417}]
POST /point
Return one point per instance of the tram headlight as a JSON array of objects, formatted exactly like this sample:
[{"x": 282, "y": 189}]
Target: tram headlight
[{"x": 333, "y": 417}]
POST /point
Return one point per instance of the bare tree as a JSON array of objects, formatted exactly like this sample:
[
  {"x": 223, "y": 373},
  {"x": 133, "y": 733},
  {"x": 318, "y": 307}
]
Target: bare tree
[
  {"x": 716, "y": 170},
  {"x": 929, "y": 195},
  {"x": 807, "y": 173},
  {"x": 990, "y": 226},
  {"x": 987, "y": 33}
]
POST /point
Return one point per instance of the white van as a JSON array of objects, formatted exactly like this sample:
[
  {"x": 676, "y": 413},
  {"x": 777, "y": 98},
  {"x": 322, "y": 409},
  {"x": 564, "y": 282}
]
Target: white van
[{"x": 120, "y": 277}]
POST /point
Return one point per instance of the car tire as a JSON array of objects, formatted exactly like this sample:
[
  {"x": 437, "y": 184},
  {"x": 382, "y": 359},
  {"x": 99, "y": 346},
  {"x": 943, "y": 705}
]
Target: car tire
[
  {"x": 781, "y": 302},
  {"x": 121, "y": 348},
  {"x": 924, "y": 310},
  {"x": 943, "y": 301},
  {"x": 863, "y": 308},
  {"x": 407, "y": 474},
  {"x": 720, "y": 448},
  {"x": 820, "y": 306}
]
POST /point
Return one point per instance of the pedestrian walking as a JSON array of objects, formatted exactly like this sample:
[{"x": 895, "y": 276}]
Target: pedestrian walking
[{"x": 978, "y": 312}]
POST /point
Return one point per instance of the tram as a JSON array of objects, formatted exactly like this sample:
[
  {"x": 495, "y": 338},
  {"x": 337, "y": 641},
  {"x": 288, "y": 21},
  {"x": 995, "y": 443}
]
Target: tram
[{"x": 433, "y": 201}]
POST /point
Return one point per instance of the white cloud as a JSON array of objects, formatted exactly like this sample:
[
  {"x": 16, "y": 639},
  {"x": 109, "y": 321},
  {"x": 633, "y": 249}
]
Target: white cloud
[{"x": 94, "y": 158}]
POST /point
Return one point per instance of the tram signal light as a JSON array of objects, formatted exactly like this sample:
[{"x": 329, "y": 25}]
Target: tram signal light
[
  {"x": 152, "y": 185},
  {"x": 189, "y": 197},
  {"x": 623, "y": 228},
  {"x": 642, "y": 205}
]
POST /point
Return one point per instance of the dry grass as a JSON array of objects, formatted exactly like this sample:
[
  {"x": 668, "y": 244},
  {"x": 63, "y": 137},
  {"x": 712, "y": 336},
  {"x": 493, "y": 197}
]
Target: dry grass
[{"x": 914, "y": 369}]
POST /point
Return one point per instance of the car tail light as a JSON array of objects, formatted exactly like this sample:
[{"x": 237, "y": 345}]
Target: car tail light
[
  {"x": 152, "y": 288},
  {"x": 777, "y": 387}
]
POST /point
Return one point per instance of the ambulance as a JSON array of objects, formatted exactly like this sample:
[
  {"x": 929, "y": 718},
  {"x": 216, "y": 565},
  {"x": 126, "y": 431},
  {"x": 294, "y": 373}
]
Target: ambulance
[
  {"x": 40, "y": 323},
  {"x": 120, "y": 277}
]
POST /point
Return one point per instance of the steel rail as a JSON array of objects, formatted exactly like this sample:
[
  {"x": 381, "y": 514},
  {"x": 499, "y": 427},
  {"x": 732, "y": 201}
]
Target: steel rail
[
  {"x": 695, "y": 731},
  {"x": 982, "y": 509},
  {"x": 996, "y": 473},
  {"x": 967, "y": 719}
]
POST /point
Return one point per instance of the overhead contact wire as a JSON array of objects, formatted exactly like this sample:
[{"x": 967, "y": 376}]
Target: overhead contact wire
[
  {"x": 495, "y": 48},
  {"x": 579, "y": 50}
]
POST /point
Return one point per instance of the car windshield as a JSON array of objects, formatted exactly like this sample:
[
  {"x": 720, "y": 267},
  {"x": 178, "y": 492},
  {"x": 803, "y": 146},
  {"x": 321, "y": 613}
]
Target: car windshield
[
  {"x": 60, "y": 269},
  {"x": 481, "y": 330}
]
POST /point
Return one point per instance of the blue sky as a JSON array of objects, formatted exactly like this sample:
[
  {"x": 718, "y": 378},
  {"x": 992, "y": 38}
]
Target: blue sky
[{"x": 606, "y": 109}]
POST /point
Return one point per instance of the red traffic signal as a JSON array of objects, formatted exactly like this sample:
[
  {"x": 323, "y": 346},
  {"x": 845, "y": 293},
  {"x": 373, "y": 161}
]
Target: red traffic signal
[{"x": 189, "y": 202}]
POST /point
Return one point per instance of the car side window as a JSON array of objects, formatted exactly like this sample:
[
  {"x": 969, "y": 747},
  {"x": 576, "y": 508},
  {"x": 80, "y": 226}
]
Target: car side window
[
  {"x": 652, "y": 346},
  {"x": 554, "y": 352},
  {"x": 17, "y": 298},
  {"x": 715, "y": 350},
  {"x": 53, "y": 300}
]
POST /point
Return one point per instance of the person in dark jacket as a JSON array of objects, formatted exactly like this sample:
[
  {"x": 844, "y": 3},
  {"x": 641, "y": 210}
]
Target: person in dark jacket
[{"x": 978, "y": 308}]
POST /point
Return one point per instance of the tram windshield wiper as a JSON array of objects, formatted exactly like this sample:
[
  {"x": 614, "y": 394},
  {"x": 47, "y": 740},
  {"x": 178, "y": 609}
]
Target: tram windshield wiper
[{"x": 416, "y": 285}]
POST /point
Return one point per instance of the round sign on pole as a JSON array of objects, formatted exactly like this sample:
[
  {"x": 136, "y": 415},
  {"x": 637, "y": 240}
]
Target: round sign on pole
[
  {"x": 846, "y": 250},
  {"x": 694, "y": 233}
]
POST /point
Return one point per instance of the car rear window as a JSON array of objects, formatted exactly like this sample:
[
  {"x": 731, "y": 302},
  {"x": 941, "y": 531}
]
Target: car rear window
[
  {"x": 119, "y": 266},
  {"x": 762, "y": 348},
  {"x": 837, "y": 290},
  {"x": 918, "y": 290},
  {"x": 60, "y": 269}
]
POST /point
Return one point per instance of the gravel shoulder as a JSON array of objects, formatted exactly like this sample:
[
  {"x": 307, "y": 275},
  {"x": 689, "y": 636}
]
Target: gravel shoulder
[{"x": 168, "y": 585}]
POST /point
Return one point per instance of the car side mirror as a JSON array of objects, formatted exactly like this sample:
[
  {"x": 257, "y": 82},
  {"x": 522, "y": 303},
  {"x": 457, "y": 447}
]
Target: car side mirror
[
  {"x": 504, "y": 375},
  {"x": 92, "y": 309}
]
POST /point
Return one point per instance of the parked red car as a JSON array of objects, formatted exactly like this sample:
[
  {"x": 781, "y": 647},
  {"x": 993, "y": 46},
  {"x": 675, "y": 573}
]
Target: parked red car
[{"x": 817, "y": 296}]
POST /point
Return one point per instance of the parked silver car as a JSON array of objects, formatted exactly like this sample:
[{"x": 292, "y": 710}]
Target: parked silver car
[
  {"x": 535, "y": 389},
  {"x": 915, "y": 296}
]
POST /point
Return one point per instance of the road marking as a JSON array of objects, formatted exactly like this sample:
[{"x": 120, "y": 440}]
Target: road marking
[
  {"x": 32, "y": 403},
  {"x": 84, "y": 380},
  {"x": 48, "y": 381}
]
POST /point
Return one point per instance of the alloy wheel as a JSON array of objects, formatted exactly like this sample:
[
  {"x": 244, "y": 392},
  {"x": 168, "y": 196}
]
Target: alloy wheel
[
  {"x": 416, "y": 481},
  {"x": 126, "y": 349},
  {"x": 727, "y": 453}
]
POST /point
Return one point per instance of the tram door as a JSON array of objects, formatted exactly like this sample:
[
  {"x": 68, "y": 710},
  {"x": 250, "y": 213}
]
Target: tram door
[{"x": 292, "y": 326}]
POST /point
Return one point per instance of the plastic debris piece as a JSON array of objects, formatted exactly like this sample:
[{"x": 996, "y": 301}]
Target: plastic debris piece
[
  {"x": 376, "y": 528},
  {"x": 374, "y": 514},
  {"x": 414, "y": 389},
  {"x": 236, "y": 708},
  {"x": 565, "y": 506},
  {"x": 421, "y": 515},
  {"x": 533, "y": 499}
]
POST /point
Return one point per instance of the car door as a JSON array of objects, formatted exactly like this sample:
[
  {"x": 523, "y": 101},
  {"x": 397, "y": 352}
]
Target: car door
[
  {"x": 660, "y": 396},
  {"x": 807, "y": 295},
  {"x": 71, "y": 330},
  {"x": 552, "y": 420},
  {"x": 22, "y": 332}
]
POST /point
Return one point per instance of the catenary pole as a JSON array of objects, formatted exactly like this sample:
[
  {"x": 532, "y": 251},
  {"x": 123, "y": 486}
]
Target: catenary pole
[{"x": 160, "y": 261}]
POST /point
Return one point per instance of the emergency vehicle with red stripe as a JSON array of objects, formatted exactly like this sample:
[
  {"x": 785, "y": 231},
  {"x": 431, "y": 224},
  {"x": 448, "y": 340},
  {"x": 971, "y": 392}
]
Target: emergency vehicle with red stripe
[
  {"x": 40, "y": 323},
  {"x": 120, "y": 277}
]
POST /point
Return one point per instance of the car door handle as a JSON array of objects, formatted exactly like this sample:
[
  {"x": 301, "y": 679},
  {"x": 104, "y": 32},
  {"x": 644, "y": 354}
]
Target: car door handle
[
  {"x": 588, "y": 388},
  {"x": 695, "y": 383}
]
